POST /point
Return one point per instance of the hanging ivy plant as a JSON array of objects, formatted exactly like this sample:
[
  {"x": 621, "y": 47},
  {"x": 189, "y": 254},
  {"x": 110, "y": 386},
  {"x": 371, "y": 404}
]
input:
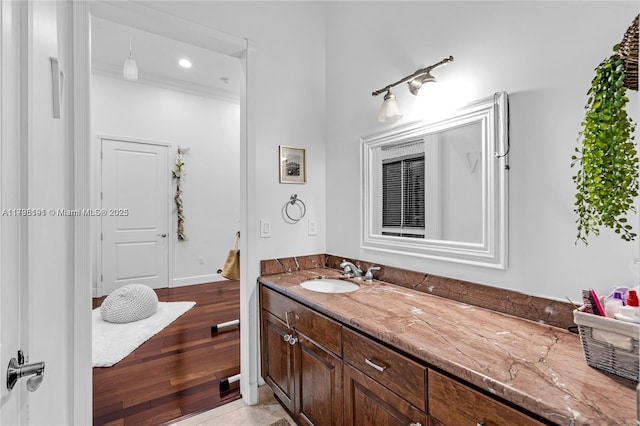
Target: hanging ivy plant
[{"x": 607, "y": 179}]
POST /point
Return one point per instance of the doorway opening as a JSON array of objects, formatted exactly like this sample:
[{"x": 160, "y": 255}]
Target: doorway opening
[{"x": 164, "y": 107}]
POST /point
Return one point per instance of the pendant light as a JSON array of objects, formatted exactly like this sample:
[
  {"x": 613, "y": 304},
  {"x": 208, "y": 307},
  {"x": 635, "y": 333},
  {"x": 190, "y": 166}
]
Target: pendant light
[{"x": 130, "y": 68}]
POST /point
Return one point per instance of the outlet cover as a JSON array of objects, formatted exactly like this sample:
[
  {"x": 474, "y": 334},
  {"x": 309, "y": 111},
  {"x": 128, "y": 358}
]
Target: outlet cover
[{"x": 313, "y": 227}]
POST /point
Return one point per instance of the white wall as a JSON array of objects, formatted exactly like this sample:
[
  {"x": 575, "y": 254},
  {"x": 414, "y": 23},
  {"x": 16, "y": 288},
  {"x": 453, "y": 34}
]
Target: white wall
[
  {"x": 287, "y": 107},
  {"x": 543, "y": 55},
  {"x": 211, "y": 185}
]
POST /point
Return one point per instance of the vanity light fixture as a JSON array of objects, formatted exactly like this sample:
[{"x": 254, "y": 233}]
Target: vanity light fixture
[
  {"x": 184, "y": 63},
  {"x": 130, "y": 68},
  {"x": 390, "y": 110}
]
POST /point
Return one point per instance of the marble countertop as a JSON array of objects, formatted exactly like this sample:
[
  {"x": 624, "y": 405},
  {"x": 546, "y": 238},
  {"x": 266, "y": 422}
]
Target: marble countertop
[{"x": 535, "y": 366}]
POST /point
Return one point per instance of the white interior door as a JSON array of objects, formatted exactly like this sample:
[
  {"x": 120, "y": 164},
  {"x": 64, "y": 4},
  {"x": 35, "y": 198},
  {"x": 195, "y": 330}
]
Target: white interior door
[
  {"x": 36, "y": 269},
  {"x": 135, "y": 214},
  {"x": 13, "y": 403}
]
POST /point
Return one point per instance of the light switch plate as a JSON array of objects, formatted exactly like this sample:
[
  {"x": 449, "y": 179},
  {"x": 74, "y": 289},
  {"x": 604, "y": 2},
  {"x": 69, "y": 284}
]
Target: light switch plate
[
  {"x": 313, "y": 227},
  {"x": 265, "y": 228}
]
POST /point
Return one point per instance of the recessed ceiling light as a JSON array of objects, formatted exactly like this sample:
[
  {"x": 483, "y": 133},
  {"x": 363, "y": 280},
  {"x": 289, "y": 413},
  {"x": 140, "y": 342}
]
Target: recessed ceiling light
[{"x": 184, "y": 63}]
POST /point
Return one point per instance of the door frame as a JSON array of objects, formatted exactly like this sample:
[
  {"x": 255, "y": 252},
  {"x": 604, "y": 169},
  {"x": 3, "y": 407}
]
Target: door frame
[
  {"x": 83, "y": 256},
  {"x": 97, "y": 175},
  {"x": 84, "y": 253}
]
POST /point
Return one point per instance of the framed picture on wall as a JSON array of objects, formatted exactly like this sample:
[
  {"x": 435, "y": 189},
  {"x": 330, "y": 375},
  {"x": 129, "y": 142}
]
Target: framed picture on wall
[{"x": 293, "y": 164}]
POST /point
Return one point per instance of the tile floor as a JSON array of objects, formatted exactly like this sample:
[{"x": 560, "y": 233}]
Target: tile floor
[{"x": 236, "y": 413}]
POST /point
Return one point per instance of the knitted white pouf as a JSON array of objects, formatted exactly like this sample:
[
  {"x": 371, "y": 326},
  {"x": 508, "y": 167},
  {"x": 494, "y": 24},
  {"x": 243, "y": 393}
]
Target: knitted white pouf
[{"x": 129, "y": 303}]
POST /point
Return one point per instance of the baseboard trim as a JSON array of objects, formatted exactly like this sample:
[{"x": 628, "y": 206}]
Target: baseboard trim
[
  {"x": 199, "y": 279},
  {"x": 182, "y": 282}
]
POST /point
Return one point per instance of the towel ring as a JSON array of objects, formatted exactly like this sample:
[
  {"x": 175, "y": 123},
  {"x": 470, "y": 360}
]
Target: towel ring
[{"x": 294, "y": 200}]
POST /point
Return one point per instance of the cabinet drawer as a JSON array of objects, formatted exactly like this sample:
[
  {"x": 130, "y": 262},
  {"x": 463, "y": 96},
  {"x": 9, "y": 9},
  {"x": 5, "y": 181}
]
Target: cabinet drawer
[
  {"x": 397, "y": 372},
  {"x": 453, "y": 404},
  {"x": 313, "y": 325},
  {"x": 276, "y": 303}
]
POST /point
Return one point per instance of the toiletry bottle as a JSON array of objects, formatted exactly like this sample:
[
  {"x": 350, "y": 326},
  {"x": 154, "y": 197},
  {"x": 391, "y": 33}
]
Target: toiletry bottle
[
  {"x": 633, "y": 305},
  {"x": 612, "y": 307},
  {"x": 620, "y": 295}
]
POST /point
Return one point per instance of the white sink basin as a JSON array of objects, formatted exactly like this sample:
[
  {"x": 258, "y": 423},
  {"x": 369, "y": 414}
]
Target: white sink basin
[{"x": 329, "y": 285}]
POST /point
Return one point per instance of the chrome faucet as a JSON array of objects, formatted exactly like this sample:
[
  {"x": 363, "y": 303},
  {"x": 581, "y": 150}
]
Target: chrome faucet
[
  {"x": 350, "y": 268},
  {"x": 369, "y": 275}
]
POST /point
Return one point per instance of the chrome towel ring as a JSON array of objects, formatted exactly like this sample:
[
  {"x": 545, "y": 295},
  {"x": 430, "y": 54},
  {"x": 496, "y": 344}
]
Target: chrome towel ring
[{"x": 294, "y": 216}]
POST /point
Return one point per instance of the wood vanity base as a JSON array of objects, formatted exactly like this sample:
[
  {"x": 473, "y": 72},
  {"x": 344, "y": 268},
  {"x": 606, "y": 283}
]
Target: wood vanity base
[{"x": 325, "y": 373}]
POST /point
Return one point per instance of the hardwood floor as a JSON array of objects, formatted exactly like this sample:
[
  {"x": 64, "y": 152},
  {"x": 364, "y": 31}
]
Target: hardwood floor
[{"x": 178, "y": 371}]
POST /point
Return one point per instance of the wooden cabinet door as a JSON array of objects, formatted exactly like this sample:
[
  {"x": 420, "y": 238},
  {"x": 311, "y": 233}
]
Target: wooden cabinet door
[
  {"x": 320, "y": 385},
  {"x": 278, "y": 369},
  {"x": 368, "y": 403}
]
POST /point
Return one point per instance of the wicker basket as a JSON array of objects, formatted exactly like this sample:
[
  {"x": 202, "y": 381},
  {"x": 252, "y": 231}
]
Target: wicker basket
[
  {"x": 608, "y": 344},
  {"x": 628, "y": 51}
]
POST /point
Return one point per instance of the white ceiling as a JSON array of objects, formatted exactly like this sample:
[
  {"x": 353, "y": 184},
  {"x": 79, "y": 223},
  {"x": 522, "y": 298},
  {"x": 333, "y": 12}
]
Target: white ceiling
[{"x": 212, "y": 74}]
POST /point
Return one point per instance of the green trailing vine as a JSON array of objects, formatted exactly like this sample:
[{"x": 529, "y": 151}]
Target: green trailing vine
[{"x": 607, "y": 179}]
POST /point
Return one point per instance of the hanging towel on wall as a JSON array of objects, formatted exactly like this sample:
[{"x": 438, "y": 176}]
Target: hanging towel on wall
[{"x": 231, "y": 268}]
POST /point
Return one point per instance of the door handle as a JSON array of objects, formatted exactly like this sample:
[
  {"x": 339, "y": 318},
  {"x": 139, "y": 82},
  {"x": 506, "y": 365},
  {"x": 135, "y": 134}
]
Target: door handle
[
  {"x": 162, "y": 235},
  {"x": 18, "y": 369}
]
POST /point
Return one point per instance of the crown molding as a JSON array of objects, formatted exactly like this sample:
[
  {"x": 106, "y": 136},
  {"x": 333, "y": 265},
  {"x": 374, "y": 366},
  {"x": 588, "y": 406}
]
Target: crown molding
[{"x": 155, "y": 80}]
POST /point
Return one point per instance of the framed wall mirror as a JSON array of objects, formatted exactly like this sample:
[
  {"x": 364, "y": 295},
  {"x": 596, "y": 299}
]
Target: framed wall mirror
[{"x": 439, "y": 189}]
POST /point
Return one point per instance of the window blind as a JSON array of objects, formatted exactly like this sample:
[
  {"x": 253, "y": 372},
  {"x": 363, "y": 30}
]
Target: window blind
[
  {"x": 403, "y": 186},
  {"x": 392, "y": 194}
]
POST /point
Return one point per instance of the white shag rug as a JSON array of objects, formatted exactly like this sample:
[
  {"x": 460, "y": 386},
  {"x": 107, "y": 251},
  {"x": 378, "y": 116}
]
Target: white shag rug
[{"x": 112, "y": 342}]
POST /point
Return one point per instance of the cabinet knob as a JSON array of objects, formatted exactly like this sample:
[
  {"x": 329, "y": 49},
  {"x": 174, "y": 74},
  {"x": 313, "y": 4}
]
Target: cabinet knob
[
  {"x": 292, "y": 340},
  {"x": 480, "y": 424},
  {"x": 415, "y": 424}
]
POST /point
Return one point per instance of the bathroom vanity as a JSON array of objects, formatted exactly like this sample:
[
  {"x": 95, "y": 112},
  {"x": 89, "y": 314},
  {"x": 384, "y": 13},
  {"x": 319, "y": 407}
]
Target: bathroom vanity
[{"x": 386, "y": 354}]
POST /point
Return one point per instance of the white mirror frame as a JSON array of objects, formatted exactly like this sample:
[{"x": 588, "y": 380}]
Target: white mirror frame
[{"x": 492, "y": 114}]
